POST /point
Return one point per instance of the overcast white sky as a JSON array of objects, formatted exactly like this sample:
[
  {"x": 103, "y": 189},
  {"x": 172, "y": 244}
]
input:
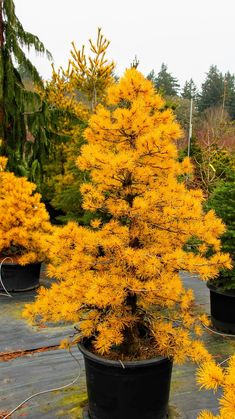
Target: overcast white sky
[{"x": 188, "y": 35}]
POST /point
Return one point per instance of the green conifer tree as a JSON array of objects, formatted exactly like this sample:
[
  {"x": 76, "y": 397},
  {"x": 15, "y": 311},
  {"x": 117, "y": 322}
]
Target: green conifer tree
[
  {"x": 189, "y": 90},
  {"x": 152, "y": 76},
  {"x": 229, "y": 94},
  {"x": 166, "y": 83},
  {"x": 212, "y": 90},
  {"x": 16, "y": 102}
]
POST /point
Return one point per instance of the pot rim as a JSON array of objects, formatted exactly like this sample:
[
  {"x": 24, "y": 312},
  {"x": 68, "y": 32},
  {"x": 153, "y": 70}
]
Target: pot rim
[
  {"x": 220, "y": 290},
  {"x": 121, "y": 364},
  {"x": 19, "y": 264}
]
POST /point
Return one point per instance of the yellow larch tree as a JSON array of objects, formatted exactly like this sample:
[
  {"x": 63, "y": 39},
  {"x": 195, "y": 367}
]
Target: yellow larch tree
[
  {"x": 119, "y": 278},
  {"x": 25, "y": 230},
  {"x": 91, "y": 74},
  {"x": 73, "y": 94},
  {"x": 80, "y": 87}
]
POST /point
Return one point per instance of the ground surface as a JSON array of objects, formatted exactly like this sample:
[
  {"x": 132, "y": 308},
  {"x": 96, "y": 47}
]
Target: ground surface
[{"x": 32, "y": 372}]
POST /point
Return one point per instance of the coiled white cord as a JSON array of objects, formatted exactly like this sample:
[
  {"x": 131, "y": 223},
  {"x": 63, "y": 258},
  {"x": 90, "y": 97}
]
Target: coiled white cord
[
  {"x": 7, "y": 294},
  {"x": 50, "y": 390}
]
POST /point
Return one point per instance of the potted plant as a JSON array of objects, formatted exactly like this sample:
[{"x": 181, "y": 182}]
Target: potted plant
[
  {"x": 222, "y": 290},
  {"x": 24, "y": 232},
  {"x": 119, "y": 279}
]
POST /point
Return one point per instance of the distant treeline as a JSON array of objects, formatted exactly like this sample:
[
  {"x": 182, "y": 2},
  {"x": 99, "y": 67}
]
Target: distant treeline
[{"x": 217, "y": 90}]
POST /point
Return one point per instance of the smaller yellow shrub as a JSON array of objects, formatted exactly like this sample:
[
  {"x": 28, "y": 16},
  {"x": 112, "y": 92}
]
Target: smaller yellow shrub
[
  {"x": 25, "y": 229},
  {"x": 211, "y": 377}
]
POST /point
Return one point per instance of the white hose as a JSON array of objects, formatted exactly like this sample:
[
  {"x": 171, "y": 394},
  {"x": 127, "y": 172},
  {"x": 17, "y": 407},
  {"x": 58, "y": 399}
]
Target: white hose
[
  {"x": 48, "y": 391},
  {"x": 7, "y": 294}
]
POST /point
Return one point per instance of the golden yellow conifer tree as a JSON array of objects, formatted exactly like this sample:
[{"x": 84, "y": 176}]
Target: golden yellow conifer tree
[
  {"x": 25, "y": 229},
  {"x": 120, "y": 278},
  {"x": 75, "y": 92},
  {"x": 91, "y": 74}
]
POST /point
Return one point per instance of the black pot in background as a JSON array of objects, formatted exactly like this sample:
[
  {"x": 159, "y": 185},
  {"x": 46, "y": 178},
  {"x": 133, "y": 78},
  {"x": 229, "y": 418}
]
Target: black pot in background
[
  {"x": 16, "y": 277},
  {"x": 222, "y": 308},
  {"x": 138, "y": 391}
]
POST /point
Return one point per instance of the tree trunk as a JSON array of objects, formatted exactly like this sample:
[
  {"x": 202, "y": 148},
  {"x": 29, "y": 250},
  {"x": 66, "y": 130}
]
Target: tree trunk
[{"x": 131, "y": 334}]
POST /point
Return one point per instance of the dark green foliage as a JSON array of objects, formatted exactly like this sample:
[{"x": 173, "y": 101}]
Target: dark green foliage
[
  {"x": 218, "y": 90},
  {"x": 15, "y": 101},
  {"x": 212, "y": 90},
  {"x": 229, "y": 94},
  {"x": 152, "y": 76},
  {"x": 62, "y": 178},
  {"x": 166, "y": 83},
  {"x": 223, "y": 202},
  {"x": 189, "y": 90},
  {"x": 49, "y": 140},
  {"x": 69, "y": 199}
]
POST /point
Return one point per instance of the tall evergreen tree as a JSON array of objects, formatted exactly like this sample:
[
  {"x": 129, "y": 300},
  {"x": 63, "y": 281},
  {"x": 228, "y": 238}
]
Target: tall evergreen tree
[
  {"x": 152, "y": 76},
  {"x": 229, "y": 94},
  {"x": 189, "y": 90},
  {"x": 15, "y": 100},
  {"x": 212, "y": 90},
  {"x": 218, "y": 90},
  {"x": 166, "y": 83}
]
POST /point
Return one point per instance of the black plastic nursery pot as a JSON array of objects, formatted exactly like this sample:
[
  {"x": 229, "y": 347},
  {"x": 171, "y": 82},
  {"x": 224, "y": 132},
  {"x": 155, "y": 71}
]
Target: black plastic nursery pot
[
  {"x": 222, "y": 308},
  {"x": 16, "y": 277},
  {"x": 126, "y": 390}
]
